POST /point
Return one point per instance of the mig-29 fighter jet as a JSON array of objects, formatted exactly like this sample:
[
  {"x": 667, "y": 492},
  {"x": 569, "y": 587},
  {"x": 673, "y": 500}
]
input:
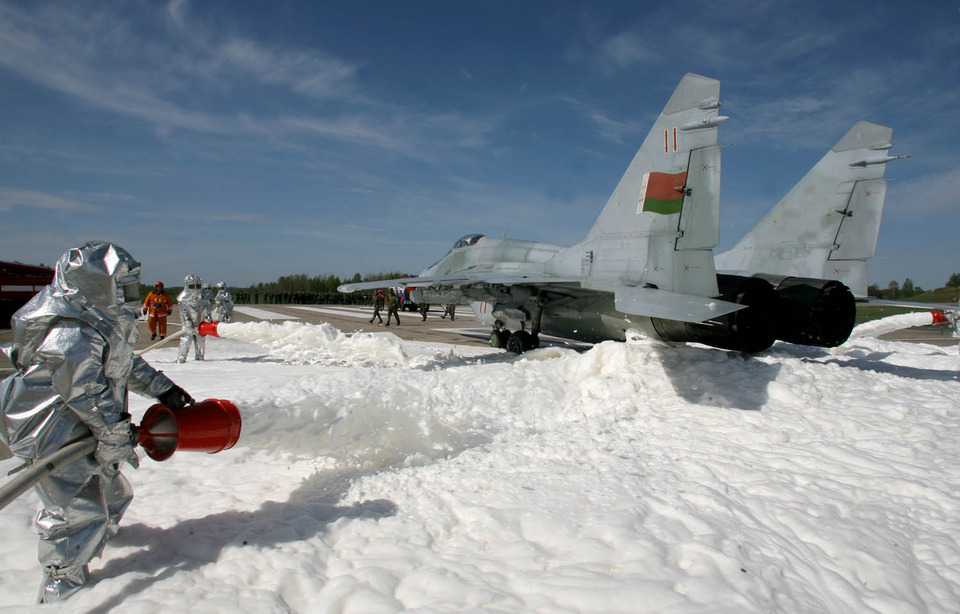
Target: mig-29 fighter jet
[{"x": 647, "y": 264}]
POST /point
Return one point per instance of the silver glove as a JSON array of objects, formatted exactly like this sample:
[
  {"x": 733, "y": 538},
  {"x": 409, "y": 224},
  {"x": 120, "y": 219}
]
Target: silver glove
[{"x": 115, "y": 444}]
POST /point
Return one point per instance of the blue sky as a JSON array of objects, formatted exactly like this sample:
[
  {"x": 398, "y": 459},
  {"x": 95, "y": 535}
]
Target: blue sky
[{"x": 249, "y": 140}]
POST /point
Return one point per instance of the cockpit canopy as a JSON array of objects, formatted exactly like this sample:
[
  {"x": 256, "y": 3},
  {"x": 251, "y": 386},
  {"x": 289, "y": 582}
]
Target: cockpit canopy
[{"x": 467, "y": 240}]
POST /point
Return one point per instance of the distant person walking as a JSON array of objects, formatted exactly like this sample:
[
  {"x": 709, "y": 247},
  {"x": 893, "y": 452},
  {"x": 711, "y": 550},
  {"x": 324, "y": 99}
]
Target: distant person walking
[
  {"x": 424, "y": 308},
  {"x": 377, "y": 306},
  {"x": 449, "y": 310},
  {"x": 393, "y": 307}
]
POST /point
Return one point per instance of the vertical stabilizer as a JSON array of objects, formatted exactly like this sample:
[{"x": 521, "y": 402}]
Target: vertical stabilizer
[
  {"x": 660, "y": 224},
  {"x": 826, "y": 227}
]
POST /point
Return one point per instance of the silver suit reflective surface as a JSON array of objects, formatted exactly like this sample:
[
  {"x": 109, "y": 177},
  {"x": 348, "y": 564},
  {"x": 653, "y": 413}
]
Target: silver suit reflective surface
[
  {"x": 73, "y": 353},
  {"x": 195, "y": 307},
  {"x": 223, "y": 304}
]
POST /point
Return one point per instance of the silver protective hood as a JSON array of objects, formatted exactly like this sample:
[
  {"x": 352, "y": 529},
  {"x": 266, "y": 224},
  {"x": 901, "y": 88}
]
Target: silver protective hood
[{"x": 97, "y": 283}]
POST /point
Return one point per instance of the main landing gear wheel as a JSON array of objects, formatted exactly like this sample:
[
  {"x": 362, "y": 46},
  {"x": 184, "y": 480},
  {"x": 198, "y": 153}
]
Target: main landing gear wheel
[
  {"x": 499, "y": 338},
  {"x": 521, "y": 341}
]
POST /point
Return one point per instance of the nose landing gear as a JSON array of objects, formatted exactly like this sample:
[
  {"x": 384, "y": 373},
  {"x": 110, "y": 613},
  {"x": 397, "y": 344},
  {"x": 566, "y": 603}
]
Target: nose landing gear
[{"x": 519, "y": 341}]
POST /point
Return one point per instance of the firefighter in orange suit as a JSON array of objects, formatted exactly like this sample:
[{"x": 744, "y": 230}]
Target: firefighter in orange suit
[{"x": 157, "y": 306}]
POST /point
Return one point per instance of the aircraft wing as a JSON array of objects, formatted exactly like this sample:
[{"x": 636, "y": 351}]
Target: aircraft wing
[
  {"x": 456, "y": 281},
  {"x": 650, "y": 302},
  {"x": 402, "y": 282}
]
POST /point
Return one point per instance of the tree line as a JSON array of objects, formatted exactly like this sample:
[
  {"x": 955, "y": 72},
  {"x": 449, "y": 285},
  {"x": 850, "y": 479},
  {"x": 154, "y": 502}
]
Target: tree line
[
  {"x": 301, "y": 289},
  {"x": 289, "y": 284},
  {"x": 907, "y": 289}
]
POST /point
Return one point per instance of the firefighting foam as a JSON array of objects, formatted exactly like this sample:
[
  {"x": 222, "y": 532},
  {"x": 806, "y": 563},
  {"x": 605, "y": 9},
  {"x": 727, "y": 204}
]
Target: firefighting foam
[{"x": 302, "y": 343}]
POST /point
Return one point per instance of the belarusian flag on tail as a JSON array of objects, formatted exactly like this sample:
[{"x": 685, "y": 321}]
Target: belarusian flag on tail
[{"x": 661, "y": 193}]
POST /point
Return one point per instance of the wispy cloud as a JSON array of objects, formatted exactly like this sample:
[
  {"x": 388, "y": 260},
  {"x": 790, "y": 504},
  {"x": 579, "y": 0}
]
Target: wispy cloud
[
  {"x": 624, "y": 50},
  {"x": 621, "y": 132},
  {"x": 932, "y": 194},
  {"x": 355, "y": 129},
  {"x": 304, "y": 72},
  {"x": 201, "y": 81},
  {"x": 200, "y": 217},
  {"x": 68, "y": 54},
  {"x": 15, "y": 197}
]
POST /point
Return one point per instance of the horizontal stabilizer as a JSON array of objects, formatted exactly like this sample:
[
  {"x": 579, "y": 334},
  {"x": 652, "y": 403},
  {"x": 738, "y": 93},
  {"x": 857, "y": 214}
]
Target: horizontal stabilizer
[{"x": 656, "y": 303}]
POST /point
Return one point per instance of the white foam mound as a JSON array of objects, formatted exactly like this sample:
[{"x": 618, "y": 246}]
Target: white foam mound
[{"x": 307, "y": 344}]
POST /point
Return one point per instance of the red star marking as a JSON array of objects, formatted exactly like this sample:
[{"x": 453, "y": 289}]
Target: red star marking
[{"x": 867, "y": 193}]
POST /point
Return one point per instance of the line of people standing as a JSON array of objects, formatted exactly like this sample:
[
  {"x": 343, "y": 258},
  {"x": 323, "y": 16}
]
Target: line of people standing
[{"x": 393, "y": 302}]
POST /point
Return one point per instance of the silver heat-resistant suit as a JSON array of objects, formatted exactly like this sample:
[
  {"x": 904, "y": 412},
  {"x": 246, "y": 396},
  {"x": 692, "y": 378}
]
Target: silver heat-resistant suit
[
  {"x": 73, "y": 353},
  {"x": 195, "y": 307},
  {"x": 223, "y": 304}
]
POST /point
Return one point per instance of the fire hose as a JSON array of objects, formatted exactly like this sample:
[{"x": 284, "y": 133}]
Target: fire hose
[
  {"x": 210, "y": 426},
  {"x": 204, "y": 329}
]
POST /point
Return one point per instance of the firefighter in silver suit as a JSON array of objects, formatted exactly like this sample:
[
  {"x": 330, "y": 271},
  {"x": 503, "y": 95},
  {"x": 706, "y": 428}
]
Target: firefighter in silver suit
[
  {"x": 73, "y": 353},
  {"x": 195, "y": 307},
  {"x": 223, "y": 304}
]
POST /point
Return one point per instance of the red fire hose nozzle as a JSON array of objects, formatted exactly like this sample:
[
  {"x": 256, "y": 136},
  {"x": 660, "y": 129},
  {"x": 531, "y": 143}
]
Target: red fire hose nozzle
[
  {"x": 209, "y": 426},
  {"x": 208, "y": 329}
]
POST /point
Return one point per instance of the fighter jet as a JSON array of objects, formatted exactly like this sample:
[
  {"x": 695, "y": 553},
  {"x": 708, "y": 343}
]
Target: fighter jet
[{"x": 647, "y": 263}]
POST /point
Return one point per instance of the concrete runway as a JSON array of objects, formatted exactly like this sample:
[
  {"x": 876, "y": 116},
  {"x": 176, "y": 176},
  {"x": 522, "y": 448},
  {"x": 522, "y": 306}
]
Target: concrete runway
[{"x": 465, "y": 329}]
